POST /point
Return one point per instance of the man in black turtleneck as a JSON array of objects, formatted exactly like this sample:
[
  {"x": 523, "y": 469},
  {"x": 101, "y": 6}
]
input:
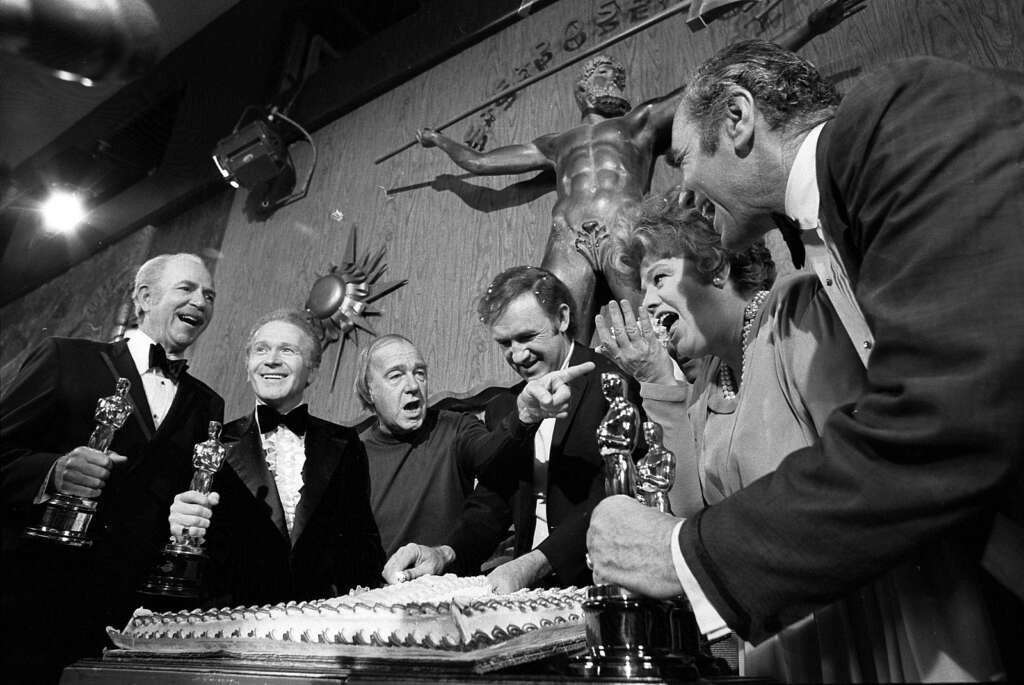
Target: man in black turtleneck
[
  {"x": 423, "y": 462},
  {"x": 289, "y": 517}
]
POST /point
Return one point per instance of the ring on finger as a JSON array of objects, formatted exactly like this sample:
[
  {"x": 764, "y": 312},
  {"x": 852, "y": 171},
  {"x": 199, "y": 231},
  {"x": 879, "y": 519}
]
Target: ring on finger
[
  {"x": 613, "y": 331},
  {"x": 601, "y": 349},
  {"x": 632, "y": 330}
]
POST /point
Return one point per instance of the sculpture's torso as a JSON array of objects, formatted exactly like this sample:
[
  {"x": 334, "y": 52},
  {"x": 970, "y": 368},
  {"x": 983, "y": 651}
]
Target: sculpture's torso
[{"x": 600, "y": 168}]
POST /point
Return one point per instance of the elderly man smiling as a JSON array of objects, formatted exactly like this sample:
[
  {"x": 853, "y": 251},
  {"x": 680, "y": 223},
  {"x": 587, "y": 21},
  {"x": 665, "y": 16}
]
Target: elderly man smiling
[{"x": 293, "y": 520}]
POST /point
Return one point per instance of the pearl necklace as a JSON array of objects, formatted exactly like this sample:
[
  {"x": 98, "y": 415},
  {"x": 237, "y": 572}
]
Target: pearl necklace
[{"x": 726, "y": 381}]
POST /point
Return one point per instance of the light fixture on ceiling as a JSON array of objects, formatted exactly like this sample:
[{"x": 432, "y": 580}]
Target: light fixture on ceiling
[
  {"x": 62, "y": 211},
  {"x": 255, "y": 156}
]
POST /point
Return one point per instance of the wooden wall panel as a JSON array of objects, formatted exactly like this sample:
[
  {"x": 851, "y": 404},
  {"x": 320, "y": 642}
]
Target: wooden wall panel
[
  {"x": 84, "y": 302},
  {"x": 448, "y": 233},
  {"x": 90, "y": 299}
]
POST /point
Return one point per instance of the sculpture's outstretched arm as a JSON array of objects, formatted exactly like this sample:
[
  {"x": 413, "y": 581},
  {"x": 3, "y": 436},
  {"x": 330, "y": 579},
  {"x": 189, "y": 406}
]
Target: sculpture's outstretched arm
[{"x": 510, "y": 159}]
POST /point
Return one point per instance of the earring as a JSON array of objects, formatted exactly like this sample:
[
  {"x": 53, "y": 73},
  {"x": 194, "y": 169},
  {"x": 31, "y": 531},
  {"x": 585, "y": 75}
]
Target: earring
[{"x": 718, "y": 282}]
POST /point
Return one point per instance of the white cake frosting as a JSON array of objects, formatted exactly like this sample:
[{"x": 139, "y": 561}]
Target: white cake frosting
[{"x": 440, "y": 612}]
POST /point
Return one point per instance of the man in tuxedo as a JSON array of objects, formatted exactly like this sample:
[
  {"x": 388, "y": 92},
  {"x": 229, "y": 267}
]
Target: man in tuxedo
[
  {"x": 57, "y": 600},
  {"x": 288, "y": 517},
  {"x": 914, "y": 181},
  {"x": 548, "y": 489}
]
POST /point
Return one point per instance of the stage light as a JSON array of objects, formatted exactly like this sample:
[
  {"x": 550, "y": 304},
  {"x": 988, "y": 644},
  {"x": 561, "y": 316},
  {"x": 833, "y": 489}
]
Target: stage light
[
  {"x": 255, "y": 157},
  {"x": 62, "y": 212},
  {"x": 251, "y": 155}
]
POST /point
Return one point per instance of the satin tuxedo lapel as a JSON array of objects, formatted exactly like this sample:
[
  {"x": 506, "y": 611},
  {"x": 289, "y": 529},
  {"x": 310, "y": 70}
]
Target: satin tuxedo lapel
[
  {"x": 323, "y": 454},
  {"x": 578, "y": 386},
  {"x": 250, "y": 465},
  {"x": 125, "y": 367}
]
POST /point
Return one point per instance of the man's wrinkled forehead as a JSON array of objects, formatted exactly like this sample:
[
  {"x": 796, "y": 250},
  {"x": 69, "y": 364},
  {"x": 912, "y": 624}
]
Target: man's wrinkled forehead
[{"x": 396, "y": 354}]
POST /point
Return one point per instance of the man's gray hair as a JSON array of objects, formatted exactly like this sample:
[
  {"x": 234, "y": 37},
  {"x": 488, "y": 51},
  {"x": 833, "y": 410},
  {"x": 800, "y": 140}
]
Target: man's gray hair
[
  {"x": 150, "y": 273},
  {"x": 361, "y": 384},
  {"x": 790, "y": 93},
  {"x": 301, "y": 319}
]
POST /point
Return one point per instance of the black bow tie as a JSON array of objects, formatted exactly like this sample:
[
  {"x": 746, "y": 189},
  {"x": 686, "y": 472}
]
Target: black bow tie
[
  {"x": 172, "y": 368},
  {"x": 295, "y": 420}
]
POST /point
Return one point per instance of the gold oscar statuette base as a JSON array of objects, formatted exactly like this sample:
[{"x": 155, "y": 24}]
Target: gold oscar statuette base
[
  {"x": 66, "y": 521},
  {"x": 177, "y": 574}
]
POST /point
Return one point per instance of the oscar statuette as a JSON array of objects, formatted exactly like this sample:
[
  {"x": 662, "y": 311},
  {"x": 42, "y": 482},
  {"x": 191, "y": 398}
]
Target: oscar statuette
[
  {"x": 66, "y": 518},
  {"x": 656, "y": 471},
  {"x": 629, "y": 635},
  {"x": 179, "y": 571}
]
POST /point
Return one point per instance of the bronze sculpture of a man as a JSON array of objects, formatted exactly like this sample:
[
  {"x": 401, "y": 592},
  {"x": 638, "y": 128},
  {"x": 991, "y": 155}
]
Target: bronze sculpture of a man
[{"x": 602, "y": 166}]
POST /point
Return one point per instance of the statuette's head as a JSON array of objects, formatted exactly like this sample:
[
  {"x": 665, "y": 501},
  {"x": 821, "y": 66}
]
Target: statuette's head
[{"x": 601, "y": 87}]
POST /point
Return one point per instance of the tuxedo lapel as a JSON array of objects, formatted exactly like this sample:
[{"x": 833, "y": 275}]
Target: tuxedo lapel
[
  {"x": 124, "y": 366},
  {"x": 249, "y": 463},
  {"x": 323, "y": 455},
  {"x": 577, "y": 387}
]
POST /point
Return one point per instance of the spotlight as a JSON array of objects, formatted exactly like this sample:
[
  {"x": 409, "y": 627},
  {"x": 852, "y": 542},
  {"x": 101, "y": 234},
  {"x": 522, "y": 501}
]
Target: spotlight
[
  {"x": 255, "y": 157},
  {"x": 251, "y": 155},
  {"x": 62, "y": 212}
]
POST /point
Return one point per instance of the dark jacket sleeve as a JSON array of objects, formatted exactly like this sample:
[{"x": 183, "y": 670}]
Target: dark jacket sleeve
[
  {"x": 487, "y": 512},
  {"x": 920, "y": 174},
  {"x": 566, "y": 546},
  {"x": 28, "y": 426},
  {"x": 364, "y": 549},
  {"x": 503, "y": 439},
  {"x": 482, "y": 525}
]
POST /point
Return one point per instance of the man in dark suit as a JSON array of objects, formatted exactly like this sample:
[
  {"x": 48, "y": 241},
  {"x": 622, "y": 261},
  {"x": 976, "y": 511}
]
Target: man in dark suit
[
  {"x": 293, "y": 520},
  {"x": 549, "y": 489},
  {"x": 58, "y": 600},
  {"x": 916, "y": 179}
]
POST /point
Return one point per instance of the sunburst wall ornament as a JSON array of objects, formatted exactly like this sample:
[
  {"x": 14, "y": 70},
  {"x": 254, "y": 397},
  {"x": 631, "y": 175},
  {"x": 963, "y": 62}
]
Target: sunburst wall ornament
[{"x": 340, "y": 299}]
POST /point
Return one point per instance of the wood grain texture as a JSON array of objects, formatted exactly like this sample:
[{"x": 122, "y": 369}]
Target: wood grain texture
[
  {"x": 90, "y": 299},
  {"x": 449, "y": 233},
  {"x": 84, "y": 302}
]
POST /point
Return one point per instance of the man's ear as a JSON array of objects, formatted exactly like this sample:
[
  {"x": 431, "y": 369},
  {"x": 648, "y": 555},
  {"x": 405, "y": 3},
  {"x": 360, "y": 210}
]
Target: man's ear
[
  {"x": 564, "y": 316},
  {"x": 311, "y": 376},
  {"x": 147, "y": 295},
  {"x": 739, "y": 120}
]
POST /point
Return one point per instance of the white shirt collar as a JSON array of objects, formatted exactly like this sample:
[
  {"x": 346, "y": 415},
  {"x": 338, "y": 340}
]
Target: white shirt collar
[
  {"x": 568, "y": 356},
  {"x": 138, "y": 347},
  {"x": 802, "y": 197}
]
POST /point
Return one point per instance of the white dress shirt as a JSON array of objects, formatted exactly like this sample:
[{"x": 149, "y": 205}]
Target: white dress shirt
[
  {"x": 541, "y": 457},
  {"x": 802, "y": 203},
  {"x": 286, "y": 456},
  {"x": 160, "y": 390}
]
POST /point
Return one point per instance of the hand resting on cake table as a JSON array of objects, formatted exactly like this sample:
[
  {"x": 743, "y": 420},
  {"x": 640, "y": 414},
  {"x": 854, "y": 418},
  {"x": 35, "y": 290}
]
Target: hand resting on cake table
[{"x": 542, "y": 398}]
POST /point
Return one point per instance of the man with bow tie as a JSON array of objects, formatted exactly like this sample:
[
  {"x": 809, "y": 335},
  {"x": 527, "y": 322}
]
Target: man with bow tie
[
  {"x": 289, "y": 516},
  {"x": 46, "y": 417}
]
